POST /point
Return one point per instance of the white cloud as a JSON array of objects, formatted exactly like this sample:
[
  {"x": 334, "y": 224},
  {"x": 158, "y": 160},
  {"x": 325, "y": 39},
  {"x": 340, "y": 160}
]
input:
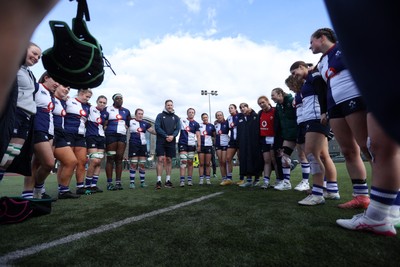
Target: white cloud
[
  {"x": 179, "y": 67},
  {"x": 211, "y": 20},
  {"x": 192, "y": 5}
]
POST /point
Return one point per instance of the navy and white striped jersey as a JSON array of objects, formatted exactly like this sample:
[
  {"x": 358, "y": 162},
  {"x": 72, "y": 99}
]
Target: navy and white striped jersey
[
  {"x": 207, "y": 131},
  {"x": 341, "y": 86},
  {"x": 188, "y": 132},
  {"x": 298, "y": 104},
  {"x": 77, "y": 114},
  {"x": 44, "y": 111},
  {"x": 222, "y": 133},
  {"x": 95, "y": 122},
  {"x": 118, "y": 120},
  {"x": 233, "y": 122},
  {"x": 138, "y": 131},
  {"x": 309, "y": 92},
  {"x": 59, "y": 113}
]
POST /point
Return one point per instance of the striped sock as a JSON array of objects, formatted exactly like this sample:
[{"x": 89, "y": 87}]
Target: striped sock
[
  {"x": 94, "y": 180},
  {"x": 305, "y": 170},
  {"x": 27, "y": 194},
  {"x": 360, "y": 187},
  {"x": 381, "y": 201},
  {"x": 88, "y": 181},
  {"x": 132, "y": 174},
  {"x": 142, "y": 175}
]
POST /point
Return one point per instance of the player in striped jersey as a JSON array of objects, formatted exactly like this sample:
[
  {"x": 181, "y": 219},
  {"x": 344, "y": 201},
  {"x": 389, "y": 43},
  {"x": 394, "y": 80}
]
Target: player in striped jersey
[
  {"x": 43, "y": 161},
  {"x": 294, "y": 85},
  {"x": 189, "y": 142},
  {"x": 347, "y": 113},
  {"x": 95, "y": 143},
  {"x": 207, "y": 134},
  {"x": 221, "y": 145},
  {"x": 116, "y": 124},
  {"x": 313, "y": 92},
  {"x": 77, "y": 112},
  {"x": 138, "y": 147},
  {"x": 233, "y": 146},
  {"x": 62, "y": 149}
]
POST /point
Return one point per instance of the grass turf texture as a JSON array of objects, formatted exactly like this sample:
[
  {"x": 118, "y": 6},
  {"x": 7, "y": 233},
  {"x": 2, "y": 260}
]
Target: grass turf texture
[{"x": 241, "y": 227}]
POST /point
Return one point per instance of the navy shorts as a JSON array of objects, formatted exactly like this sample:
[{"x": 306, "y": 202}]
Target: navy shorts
[
  {"x": 98, "y": 142},
  {"x": 206, "y": 149},
  {"x": 166, "y": 149},
  {"x": 114, "y": 138},
  {"x": 233, "y": 144},
  {"x": 40, "y": 137},
  {"x": 137, "y": 151},
  {"x": 59, "y": 138},
  {"x": 315, "y": 126},
  {"x": 186, "y": 148},
  {"x": 265, "y": 147},
  {"x": 301, "y": 133},
  {"x": 75, "y": 140},
  {"x": 346, "y": 108},
  {"x": 22, "y": 124},
  {"x": 223, "y": 148}
]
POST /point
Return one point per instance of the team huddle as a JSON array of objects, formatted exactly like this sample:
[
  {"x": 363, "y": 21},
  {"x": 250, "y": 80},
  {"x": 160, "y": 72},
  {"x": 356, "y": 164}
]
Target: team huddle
[{"x": 69, "y": 129}]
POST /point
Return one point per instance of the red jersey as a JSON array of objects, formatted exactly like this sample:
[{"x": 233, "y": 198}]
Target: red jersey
[{"x": 267, "y": 122}]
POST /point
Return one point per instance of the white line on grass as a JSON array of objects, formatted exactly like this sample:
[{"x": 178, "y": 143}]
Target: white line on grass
[{"x": 35, "y": 249}]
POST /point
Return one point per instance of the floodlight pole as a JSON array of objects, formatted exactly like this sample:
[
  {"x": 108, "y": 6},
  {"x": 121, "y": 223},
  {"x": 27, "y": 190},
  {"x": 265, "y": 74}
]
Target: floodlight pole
[{"x": 214, "y": 93}]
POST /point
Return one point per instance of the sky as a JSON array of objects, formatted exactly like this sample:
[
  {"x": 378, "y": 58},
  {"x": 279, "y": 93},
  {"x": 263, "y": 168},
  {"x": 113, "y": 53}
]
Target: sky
[{"x": 173, "y": 49}]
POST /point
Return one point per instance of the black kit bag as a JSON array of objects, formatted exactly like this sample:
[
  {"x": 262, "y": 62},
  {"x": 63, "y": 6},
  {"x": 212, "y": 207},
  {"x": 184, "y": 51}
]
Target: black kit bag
[
  {"x": 17, "y": 209},
  {"x": 76, "y": 58}
]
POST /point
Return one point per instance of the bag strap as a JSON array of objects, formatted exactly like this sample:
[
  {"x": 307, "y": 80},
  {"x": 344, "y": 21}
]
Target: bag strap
[
  {"x": 83, "y": 10},
  {"x": 81, "y": 31}
]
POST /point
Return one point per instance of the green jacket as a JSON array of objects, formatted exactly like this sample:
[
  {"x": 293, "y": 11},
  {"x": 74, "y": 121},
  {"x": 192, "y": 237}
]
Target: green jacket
[{"x": 287, "y": 118}]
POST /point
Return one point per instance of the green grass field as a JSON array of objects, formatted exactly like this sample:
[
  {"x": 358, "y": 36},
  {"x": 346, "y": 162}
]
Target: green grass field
[{"x": 236, "y": 227}]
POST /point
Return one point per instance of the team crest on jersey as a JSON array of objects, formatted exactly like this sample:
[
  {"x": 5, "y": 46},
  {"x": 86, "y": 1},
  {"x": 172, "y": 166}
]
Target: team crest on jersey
[
  {"x": 82, "y": 113},
  {"x": 50, "y": 106},
  {"x": 205, "y": 132},
  {"x": 187, "y": 128},
  {"x": 118, "y": 117},
  {"x": 330, "y": 72},
  {"x": 63, "y": 113},
  {"x": 99, "y": 120}
]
